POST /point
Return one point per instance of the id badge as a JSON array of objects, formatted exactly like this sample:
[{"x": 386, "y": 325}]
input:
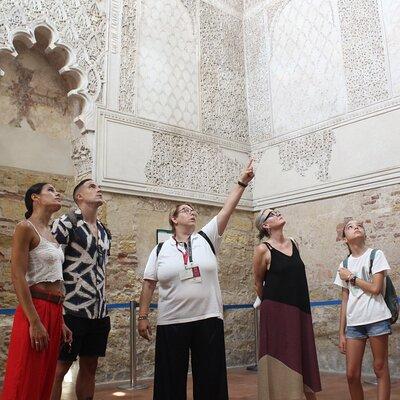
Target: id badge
[
  {"x": 186, "y": 274},
  {"x": 196, "y": 274}
]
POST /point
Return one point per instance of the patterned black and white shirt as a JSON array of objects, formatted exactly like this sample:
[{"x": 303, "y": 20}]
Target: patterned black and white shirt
[{"x": 84, "y": 266}]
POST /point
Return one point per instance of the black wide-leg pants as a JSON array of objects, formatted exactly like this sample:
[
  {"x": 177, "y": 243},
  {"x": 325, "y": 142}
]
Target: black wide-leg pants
[{"x": 205, "y": 340}]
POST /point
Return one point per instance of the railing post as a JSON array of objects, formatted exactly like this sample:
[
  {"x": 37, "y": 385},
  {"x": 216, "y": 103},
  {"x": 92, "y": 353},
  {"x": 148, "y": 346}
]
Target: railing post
[{"x": 132, "y": 385}]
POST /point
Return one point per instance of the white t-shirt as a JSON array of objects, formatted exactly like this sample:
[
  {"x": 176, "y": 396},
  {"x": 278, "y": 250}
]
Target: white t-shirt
[
  {"x": 187, "y": 300},
  {"x": 364, "y": 308}
]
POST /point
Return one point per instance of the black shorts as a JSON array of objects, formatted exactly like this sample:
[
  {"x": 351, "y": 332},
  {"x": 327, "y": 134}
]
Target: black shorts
[{"x": 89, "y": 337}]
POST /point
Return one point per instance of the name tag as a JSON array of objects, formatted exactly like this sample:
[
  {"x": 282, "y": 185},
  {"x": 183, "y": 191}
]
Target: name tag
[{"x": 192, "y": 273}]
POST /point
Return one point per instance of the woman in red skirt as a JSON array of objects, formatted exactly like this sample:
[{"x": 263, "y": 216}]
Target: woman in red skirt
[{"x": 36, "y": 269}]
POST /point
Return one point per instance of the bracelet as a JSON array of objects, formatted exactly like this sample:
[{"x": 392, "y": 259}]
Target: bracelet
[
  {"x": 143, "y": 317},
  {"x": 240, "y": 183}
]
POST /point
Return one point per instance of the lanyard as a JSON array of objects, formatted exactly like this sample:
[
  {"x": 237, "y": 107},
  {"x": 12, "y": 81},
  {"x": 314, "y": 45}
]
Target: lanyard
[{"x": 187, "y": 255}]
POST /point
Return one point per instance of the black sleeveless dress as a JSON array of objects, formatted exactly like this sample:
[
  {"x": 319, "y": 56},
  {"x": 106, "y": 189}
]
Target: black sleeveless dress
[{"x": 288, "y": 364}]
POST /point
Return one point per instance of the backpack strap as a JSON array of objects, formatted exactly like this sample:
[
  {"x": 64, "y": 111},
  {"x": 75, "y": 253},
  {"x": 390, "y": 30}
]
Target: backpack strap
[
  {"x": 159, "y": 248},
  {"x": 371, "y": 260},
  {"x": 201, "y": 233},
  {"x": 345, "y": 262}
]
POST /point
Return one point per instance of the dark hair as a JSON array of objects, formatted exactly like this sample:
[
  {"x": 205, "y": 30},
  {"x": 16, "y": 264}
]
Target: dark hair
[
  {"x": 78, "y": 186},
  {"x": 174, "y": 213},
  {"x": 34, "y": 189}
]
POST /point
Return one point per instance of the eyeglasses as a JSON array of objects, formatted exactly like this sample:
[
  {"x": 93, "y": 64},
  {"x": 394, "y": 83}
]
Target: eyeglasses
[
  {"x": 187, "y": 210},
  {"x": 274, "y": 213}
]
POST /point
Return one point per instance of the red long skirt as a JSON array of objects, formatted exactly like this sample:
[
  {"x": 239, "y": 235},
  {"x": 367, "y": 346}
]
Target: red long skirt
[{"x": 30, "y": 373}]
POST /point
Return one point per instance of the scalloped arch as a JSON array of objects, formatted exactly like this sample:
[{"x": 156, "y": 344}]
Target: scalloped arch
[{"x": 68, "y": 68}]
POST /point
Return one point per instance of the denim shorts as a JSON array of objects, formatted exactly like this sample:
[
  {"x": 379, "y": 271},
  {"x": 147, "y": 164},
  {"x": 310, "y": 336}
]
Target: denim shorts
[{"x": 365, "y": 331}]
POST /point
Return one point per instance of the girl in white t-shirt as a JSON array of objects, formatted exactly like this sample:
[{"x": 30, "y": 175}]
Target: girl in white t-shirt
[{"x": 363, "y": 314}]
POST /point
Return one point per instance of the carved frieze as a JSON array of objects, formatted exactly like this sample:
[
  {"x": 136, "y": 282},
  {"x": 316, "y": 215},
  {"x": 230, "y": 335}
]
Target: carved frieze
[
  {"x": 194, "y": 165},
  {"x": 128, "y": 57},
  {"x": 308, "y": 151}
]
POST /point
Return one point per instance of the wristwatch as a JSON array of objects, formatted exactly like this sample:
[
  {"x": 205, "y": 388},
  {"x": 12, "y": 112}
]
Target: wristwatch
[{"x": 352, "y": 280}]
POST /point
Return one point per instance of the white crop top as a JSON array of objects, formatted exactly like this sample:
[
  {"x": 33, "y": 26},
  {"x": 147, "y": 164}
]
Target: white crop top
[{"x": 44, "y": 262}]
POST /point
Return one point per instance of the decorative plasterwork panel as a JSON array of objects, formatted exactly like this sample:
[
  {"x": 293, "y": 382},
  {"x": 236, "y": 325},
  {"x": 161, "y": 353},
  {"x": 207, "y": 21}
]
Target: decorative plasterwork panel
[
  {"x": 363, "y": 52},
  {"x": 128, "y": 57},
  {"x": 307, "y": 77},
  {"x": 81, "y": 24},
  {"x": 391, "y": 16},
  {"x": 223, "y": 99},
  {"x": 180, "y": 165},
  {"x": 167, "y": 64},
  {"x": 196, "y": 166},
  {"x": 257, "y": 78},
  {"x": 82, "y": 155},
  {"x": 308, "y": 151}
]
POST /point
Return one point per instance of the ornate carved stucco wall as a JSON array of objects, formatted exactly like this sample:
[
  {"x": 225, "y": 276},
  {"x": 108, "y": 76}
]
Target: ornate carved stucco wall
[{"x": 321, "y": 77}]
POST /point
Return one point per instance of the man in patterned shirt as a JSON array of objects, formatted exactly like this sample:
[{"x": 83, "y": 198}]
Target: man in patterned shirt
[{"x": 86, "y": 243}]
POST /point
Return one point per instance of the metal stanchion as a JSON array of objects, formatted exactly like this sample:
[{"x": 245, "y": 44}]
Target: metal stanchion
[
  {"x": 257, "y": 340},
  {"x": 132, "y": 385}
]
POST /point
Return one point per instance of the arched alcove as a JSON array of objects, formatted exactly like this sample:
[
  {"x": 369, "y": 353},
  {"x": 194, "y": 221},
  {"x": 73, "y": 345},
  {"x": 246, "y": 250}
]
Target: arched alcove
[{"x": 42, "y": 40}]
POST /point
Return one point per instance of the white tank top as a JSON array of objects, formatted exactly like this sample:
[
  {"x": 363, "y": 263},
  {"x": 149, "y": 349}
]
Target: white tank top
[{"x": 44, "y": 262}]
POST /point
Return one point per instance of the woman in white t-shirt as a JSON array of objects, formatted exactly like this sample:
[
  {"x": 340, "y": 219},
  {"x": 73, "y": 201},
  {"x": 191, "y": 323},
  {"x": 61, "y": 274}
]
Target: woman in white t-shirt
[
  {"x": 363, "y": 314},
  {"x": 190, "y": 309}
]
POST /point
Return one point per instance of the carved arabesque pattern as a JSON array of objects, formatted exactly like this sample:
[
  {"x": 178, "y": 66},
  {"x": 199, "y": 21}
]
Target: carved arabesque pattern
[
  {"x": 128, "y": 57},
  {"x": 391, "y": 16},
  {"x": 190, "y": 164},
  {"x": 363, "y": 52},
  {"x": 307, "y": 151},
  {"x": 82, "y": 156},
  {"x": 167, "y": 64},
  {"x": 222, "y": 78},
  {"x": 307, "y": 77},
  {"x": 257, "y": 78},
  {"x": 81, "y": 25}
]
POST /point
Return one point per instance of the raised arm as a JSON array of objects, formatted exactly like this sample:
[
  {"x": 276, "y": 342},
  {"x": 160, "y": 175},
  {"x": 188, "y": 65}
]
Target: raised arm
[
  {"x": 233, "y": 198},
  {"x": 261, "y": 261},
  {"x": 19, "y": 264}
]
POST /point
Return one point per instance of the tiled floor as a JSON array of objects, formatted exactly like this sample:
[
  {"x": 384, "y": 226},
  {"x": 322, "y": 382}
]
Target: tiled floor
[{"x": 242, "y": 386}]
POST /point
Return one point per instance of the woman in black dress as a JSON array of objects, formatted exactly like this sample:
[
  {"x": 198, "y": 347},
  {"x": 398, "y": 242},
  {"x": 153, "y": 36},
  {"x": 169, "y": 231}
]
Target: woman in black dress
[{"x": 288, "y": 365}]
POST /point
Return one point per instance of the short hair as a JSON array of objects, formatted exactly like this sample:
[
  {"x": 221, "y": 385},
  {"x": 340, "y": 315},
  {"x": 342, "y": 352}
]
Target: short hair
[
  {"x": 174, "y": 213},
  {"x": 78, "y": 186}
]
